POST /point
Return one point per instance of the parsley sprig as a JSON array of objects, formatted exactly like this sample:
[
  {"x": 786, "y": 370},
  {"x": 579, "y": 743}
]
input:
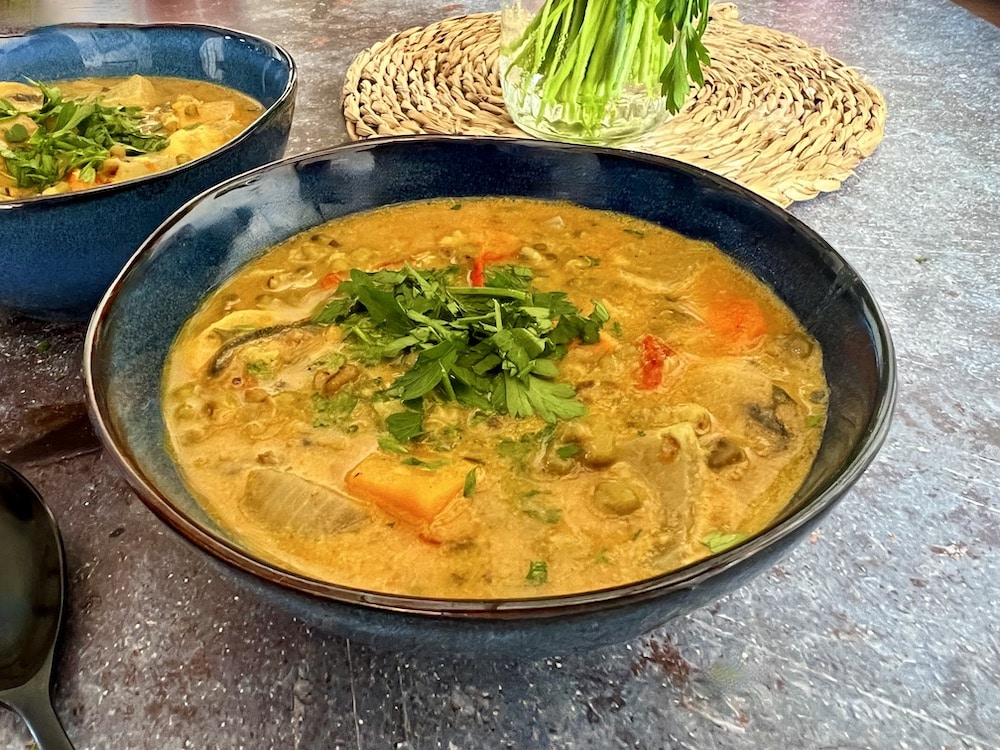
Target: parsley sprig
[
  {"x": 493, "y": 347},
  {"x": 71, "y": 134}
]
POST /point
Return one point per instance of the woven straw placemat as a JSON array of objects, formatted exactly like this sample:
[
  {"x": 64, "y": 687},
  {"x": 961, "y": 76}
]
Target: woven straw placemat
[{"x": 781, "y": 117}]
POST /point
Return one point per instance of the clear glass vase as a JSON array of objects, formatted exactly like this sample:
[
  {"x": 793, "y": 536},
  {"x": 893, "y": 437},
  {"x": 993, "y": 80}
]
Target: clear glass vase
[{"x": 585, "y": 71}]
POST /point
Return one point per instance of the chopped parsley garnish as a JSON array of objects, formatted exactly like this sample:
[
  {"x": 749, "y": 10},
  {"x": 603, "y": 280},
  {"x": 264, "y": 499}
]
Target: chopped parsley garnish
[
  {"x": 519, "y": 451},
  {"x": 567, "y": 451},
  {"x": 414, "y": 461},
  {"x": 330, "y": 363},
  {"x": 533, "y": 506},
  {"x": 538, "y": 573},
  {"x": 260, "y": 369},
  {"x": 470, "y": 483},
  {"x": 71, "y": 134},
  {"x": 333, "y": 410},
  {"x": 390, "y": 445},
  {"x": 405, "y": 425},
  {"x": 492, "y": 348}
]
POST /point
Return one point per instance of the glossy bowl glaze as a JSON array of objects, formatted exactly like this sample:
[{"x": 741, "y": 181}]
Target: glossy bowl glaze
[
  {"x": 214, "y": 235},
  {"x": 59, "y": 253}
]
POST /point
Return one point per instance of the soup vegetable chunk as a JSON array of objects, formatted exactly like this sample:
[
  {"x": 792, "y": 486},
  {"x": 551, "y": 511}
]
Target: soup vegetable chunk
[
  {"x": 492, "y": 398},
  {"x": 57, "y": 138}
]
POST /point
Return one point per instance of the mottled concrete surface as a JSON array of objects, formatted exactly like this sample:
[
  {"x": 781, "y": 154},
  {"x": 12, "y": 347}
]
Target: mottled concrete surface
[{"x": 880, "y": 632}]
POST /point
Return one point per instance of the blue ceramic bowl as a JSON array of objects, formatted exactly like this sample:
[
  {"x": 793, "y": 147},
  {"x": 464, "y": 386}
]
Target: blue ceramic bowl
[
  {"x": 211, "y": 237},
  {"x": 59, "y": 253}
]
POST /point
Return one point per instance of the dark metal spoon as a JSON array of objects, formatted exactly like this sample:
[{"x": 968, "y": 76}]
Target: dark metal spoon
[{"x": 32, "y": 591}]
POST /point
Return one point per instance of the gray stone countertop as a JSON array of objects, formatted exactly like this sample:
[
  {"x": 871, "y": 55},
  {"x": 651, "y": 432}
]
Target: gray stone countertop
[{"x": 882, "y": 631}]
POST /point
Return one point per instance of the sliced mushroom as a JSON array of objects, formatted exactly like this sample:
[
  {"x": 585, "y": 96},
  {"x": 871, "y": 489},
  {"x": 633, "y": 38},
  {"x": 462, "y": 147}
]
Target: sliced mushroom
[
  {"x": 25, "y": 98},
  {"x": 724, "y": 451},
  {"x": 333, "y": 384},
  {"x": 227, "y": 351},
  {"x": 664, "y": 415}
]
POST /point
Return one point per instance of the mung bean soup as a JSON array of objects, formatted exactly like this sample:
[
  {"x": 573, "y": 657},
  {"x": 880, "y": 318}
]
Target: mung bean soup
[
  {"x": 78, "y": 134},
  {"x": 492, "y": 398}
]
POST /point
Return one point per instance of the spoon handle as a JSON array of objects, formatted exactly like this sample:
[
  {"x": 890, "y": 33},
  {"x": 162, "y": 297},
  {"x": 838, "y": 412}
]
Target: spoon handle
[{"x": 33, "y": 702}]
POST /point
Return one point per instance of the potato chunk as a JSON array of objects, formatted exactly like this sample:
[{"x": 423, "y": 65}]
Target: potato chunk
[{"x": 134, "y": 91}]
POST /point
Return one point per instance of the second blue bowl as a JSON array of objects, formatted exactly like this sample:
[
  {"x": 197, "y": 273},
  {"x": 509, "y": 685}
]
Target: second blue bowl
[{"x": 58, "y": 253}]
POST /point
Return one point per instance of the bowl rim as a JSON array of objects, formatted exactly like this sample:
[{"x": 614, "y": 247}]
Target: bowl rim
[
  {"x": 99, "y": 190},
  {"x": 820, "y": 500}
]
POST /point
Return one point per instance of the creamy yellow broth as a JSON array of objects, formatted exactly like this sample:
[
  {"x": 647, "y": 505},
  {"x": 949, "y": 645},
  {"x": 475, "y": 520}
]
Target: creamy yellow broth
[
  {"x": 196, "y": 117},
  {"x": 705, "y": 402}
]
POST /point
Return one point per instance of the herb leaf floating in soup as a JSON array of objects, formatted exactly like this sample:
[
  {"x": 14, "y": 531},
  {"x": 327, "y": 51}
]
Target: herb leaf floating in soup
[
  {"x": 97, "y": 131},
  {"x": 492, "y": 398},
  {"x": 492, "y": 347}
]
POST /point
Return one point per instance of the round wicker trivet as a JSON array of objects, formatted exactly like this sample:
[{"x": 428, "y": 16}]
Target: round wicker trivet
[{"x": 781, "y": 117}]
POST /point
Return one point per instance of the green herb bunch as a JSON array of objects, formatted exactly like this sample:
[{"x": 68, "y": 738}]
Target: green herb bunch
[
  {"x": 493, "y": 347},
  {"x": 71, "y": 134},
  {"x": 584, "y": 52}
]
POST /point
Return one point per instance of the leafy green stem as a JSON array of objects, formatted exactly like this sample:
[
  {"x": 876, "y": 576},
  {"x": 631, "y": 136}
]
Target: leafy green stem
[{"x": 586, "y": 52}]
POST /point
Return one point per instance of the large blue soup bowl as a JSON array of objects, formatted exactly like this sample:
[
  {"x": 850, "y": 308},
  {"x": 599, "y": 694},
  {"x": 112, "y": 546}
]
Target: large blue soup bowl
[
  {"x": 212, "y": 237},
  {"x": 59, "y": 253}
]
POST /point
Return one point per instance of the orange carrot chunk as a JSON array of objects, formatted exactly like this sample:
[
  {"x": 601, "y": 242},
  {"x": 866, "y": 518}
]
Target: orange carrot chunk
[
  {"x": 329, "y": 281},
  {"x": 738, "y": 321}
]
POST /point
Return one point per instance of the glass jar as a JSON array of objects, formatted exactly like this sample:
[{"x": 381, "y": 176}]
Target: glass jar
[{"x": 586, "y": 71}]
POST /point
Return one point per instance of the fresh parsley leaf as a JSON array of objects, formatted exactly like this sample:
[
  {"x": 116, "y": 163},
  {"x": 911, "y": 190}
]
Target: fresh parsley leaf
[
  {"x": 405, "y": 425},
  {"x": 330, "y": 363},
  {"x": 390, "y": 445},
  {"x": 470, "y": 483},
  {"x": 260, "y": 369},
  {"x": 414, "y": 461},
  {"x": 17, "y": 133},
  {"x": 568, "y": 451},
  {"x": 520, "y": 450},
  {"x": 494, "y": 348},
  {"x": 331, "y": 411},
  {"x": 538, "y": 573},
  {"x": 533, "y": 506}
]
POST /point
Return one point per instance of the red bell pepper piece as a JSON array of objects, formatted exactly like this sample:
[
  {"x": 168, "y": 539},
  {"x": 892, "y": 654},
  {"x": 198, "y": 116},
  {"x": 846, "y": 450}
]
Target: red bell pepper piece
[{"x": 654, "y": 355}]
